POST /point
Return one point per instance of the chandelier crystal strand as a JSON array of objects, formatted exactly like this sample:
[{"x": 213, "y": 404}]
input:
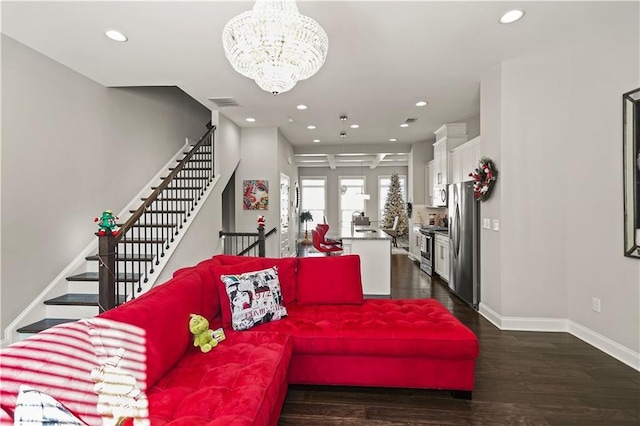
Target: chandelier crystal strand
[{"x": 275, "y": 45}]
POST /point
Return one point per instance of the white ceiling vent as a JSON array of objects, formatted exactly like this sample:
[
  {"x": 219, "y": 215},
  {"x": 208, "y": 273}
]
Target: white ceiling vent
[
  {"x": 224, "y": 102},
  {"x": 410, "y": 120}
]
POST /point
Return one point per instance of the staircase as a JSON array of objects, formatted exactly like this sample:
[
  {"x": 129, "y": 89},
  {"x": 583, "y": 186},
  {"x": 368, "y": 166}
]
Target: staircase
[{"x": 125, "y": 262}]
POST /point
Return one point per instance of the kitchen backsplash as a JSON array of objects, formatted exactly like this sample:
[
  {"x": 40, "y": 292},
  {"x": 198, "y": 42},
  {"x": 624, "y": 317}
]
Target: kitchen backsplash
[{"x": 421, "y": 215}]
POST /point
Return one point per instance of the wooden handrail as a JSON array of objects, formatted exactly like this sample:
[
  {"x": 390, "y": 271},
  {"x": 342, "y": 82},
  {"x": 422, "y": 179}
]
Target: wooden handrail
[{"x": 154, "y": 195}]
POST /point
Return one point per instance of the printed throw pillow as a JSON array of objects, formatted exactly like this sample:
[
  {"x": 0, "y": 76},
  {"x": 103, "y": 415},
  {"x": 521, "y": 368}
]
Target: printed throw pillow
[
  {"x": 35, "y": 407},
  {"x": 255, "y": 298}
]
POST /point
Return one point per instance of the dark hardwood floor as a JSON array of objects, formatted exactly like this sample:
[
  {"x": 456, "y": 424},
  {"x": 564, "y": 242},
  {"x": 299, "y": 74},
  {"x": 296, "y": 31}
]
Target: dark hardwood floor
[{"x": 521, "y": 378}]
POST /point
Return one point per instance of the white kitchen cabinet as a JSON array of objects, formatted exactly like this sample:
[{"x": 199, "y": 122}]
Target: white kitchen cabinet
[
  {"x": 414, "y": 243},
  {"x": 441, "y": 264},
  {"x": 464, "y": 160},
  {"x": 448, "y": 137},
  {"x": 428, "y": 183}
]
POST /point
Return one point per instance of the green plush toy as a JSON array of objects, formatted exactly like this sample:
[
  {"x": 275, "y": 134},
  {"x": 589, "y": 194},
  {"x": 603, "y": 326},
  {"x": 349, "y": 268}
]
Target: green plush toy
[{"x": 203, "y": 337}]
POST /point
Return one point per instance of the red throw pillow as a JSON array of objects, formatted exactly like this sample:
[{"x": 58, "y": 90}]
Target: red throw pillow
[
  {"x": 239, "y": 268},
  {"x": 332, "y": 280},
  {"x": 286, "y": 275}
]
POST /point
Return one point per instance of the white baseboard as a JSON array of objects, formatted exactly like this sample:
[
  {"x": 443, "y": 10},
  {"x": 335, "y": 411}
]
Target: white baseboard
[{"x": 597, "y": 340}]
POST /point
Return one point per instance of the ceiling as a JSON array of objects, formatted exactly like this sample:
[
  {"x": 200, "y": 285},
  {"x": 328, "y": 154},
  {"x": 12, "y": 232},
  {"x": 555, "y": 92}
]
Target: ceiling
[{"x": 383, "y": 57}]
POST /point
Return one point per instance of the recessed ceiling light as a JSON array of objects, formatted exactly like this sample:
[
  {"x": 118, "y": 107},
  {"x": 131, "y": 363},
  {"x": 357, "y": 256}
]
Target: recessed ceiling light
[
  {"x": 393, "y": 140},
  {"x": 311, "y": 127},
  {"x": 404, "y": 125},
  {"x": 116, "y": 35},
  {"x": 250, "y": 119},
  {"x": 301, "y": 106},
  {"x": 355, "y": 126},
  {"x": 421, "y": 103},
  {"x": 512, "y": 16},
  {"x": 316, "y": 140}
]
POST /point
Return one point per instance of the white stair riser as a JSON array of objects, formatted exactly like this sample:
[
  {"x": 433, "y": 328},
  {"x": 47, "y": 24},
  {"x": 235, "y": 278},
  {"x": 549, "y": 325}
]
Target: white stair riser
[
  {"x": 71, "y": 311},
  {"x": 88, "y": 287}
]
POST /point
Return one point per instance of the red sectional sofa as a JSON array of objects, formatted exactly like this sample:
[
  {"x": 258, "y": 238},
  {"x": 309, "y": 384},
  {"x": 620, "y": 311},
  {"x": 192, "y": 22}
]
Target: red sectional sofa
[{"x": 331, "y": 336}]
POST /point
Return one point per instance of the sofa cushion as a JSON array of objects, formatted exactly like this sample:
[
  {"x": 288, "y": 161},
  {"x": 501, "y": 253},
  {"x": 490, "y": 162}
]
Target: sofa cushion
[
  {"x": 242, "y": 381},
  {"x": 255, "y": 298},
  {"x": 287, "y": 268},
  {"x": 35, "y": 407},
  {"x": 404, "y": 328},
  {"x": 329, "y": 280},
  {"x": 163, "y": 316},
  {"x": 217, "y": 271}
]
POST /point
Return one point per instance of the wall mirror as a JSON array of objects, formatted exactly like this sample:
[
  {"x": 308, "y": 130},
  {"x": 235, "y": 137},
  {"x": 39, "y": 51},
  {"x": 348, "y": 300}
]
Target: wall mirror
[{"x": 631, "y": 167}]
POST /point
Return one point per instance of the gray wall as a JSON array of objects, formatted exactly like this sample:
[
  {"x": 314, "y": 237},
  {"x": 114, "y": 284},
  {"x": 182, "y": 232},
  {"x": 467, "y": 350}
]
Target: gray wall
[
  {"x": 72, "y": 148},
  {"x": 552, "y": 121}
]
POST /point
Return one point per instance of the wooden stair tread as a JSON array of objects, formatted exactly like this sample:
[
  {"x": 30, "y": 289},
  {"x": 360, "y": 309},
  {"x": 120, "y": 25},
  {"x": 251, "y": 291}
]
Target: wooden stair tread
[
  {"x": 159, "y": 211},
  {"x": 155, "y": 225},
  {"x": 192, "y": 168},
  {"x": 175, "y": 188},
  {"x": 93, "y": 276},
  {"x": 43, "y": 325},
  {"x": 129, "y": 257},
  {"x": 139, "y": 240},
  {"x": 79, "y": 299},
  {"x": 170, "y": 199},
  {"x": 188, "y": 177}
]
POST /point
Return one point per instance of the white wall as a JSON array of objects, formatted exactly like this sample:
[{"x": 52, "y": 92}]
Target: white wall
[
  {"x": 371, "y": 206},
  {"x": 557, "y": 115},
  {"x": 72, "y": 148},
  {"x": 491, "y": 259},
  {"x": 287, "y": 166},
  {"x": 259, "y": 160},
  {"x": 421, "y": 153}
]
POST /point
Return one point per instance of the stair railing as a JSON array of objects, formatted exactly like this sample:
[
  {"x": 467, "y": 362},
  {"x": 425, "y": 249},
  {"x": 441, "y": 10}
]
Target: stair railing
[
  {"x": 246, "y": 243},
  {"x": 128, "y": 258}
]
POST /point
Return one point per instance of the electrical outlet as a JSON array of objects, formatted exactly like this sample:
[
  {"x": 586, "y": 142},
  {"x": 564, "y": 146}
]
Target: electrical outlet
[
  {"x": 596, "y": 304},
  {"x": 486, "y": 223},
  {"x": 496, "y": 225}
]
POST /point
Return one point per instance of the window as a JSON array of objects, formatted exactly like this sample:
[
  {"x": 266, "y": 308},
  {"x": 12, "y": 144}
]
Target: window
[
  {"x": 313, "y": 196},
  {"x": 350, "y": 189},
  {"x": 384, "y": 182}
]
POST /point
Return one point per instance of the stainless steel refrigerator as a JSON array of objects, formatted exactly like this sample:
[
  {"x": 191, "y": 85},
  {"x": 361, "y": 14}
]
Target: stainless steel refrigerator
[{"x": 464, "y": 243}]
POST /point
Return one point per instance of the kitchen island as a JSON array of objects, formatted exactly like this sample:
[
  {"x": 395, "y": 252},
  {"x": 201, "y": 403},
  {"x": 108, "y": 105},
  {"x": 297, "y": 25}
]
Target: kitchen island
[{"x": 374, "y": 248}]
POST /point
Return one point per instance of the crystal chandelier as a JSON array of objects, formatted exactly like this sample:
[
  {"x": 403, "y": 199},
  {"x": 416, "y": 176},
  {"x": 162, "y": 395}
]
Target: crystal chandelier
[{"x": 275, "y": 45}]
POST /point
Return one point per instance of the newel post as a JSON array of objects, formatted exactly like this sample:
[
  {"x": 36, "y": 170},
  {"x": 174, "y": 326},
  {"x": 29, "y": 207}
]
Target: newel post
[
  {"x": 261, "y": 245},
  {"x": 106, "y": 272}
]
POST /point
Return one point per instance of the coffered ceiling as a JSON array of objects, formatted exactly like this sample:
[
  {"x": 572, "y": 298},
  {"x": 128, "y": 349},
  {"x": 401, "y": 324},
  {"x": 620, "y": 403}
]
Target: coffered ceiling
[{"x": 384, "y": 56}]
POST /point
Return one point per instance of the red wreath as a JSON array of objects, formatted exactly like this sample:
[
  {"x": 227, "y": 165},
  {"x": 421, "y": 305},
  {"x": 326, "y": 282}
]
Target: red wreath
[{"x": 484, "y": 177}]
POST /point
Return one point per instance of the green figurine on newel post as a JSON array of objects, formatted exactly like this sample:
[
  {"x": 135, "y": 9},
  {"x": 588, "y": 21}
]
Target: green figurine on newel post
[{"x": 107, "y": 223}]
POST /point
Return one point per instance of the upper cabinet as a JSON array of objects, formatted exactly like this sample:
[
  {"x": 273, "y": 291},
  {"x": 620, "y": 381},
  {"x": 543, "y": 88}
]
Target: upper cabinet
[
  {"x": 464, "y": 160},
  {"x": 448, "y": 137}
]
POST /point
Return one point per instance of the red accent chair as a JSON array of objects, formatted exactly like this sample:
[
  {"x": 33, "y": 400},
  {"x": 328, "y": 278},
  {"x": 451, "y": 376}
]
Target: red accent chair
[
  {"x": 323, "y": 248},
  {"x": 323, "y": 229}
]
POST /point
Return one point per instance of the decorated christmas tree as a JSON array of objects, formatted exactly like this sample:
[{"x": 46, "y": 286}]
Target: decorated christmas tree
[{"x": 395, "y": 206}]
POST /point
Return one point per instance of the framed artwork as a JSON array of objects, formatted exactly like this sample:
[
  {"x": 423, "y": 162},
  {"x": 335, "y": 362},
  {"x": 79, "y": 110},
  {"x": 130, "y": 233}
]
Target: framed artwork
[
  {"x": 631, "y": 167},
  {"x": 255, "y": 195}
]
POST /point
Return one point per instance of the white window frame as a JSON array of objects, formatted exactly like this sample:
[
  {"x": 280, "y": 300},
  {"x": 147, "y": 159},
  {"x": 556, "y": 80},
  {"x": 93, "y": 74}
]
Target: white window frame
[
  {"x": 320, "y": 219},
  {"x": 382, "y": 198},
  {"x": 364, "y": 202}
]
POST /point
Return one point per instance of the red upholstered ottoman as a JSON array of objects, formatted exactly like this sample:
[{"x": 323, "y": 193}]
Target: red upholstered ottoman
[
  {"x": 396, "y": 343},
  {"x": 243, "y": 381}
]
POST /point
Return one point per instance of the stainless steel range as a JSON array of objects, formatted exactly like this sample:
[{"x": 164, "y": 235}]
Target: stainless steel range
[{"x": 427, "y": 247}]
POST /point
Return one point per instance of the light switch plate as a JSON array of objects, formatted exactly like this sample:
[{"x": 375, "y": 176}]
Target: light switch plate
[
  {"x": 486, "y": 223},
  {"x": 496, "y": 225}
]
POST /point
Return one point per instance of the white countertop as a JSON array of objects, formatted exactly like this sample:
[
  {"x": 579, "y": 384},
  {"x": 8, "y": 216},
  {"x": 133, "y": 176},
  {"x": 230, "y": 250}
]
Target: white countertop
[{"x": 357, "y": 233}]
